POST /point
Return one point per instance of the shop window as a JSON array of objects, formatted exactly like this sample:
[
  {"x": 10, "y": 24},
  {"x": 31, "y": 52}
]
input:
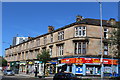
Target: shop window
[
  {"x": 80, "y": 31},
  {"x": 97, "y": 70},
  {"x": 89, "y": 70},
  {"x": 93, "y": 70},
  {"x": 80, "y": 47},
  {"x": 107, "y": 69}
]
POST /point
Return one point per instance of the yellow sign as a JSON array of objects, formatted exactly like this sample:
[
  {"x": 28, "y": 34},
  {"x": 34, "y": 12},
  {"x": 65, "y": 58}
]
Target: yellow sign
[{"x": 30, "y": 63}]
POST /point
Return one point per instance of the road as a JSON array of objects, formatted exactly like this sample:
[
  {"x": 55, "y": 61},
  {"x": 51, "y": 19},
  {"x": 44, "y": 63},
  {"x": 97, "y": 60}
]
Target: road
[
  {"x": 32, "y": 78},
  {"x": 23, "y": 78}
]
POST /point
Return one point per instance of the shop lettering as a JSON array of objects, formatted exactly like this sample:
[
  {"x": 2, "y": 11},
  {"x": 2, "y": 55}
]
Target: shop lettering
[
  {"x": 96, "y": 60},
  {"x": 89, "y": 60},
  {"x": 70, "y": 60},
  {"x": 79, "y": 60}
]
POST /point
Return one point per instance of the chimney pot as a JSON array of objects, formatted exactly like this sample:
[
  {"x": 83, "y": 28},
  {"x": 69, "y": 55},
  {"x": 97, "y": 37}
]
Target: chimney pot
[
  {"x": 79, "y": 18},
  {"x": 50, "y": 29},
  {"x": 112, "y": 21}
]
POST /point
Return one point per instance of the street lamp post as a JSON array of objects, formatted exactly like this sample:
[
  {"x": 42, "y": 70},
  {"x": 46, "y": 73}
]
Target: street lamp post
[
  {"x": 101, "y": 32},
  {"x": 101, "y": 50}
]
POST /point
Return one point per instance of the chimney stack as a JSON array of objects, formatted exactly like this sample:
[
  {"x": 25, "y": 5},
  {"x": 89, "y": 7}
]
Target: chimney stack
[
  {"x": 112, "y": 21},
  {"x": 50, "y": 29},
  {"x": 79, "y": 18}
]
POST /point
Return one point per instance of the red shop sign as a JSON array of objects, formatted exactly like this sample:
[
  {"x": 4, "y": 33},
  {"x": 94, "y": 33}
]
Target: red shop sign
[
  {"x": 79, "y": 60},
  {"x": 68, "y": 60},
  {"x": 110, "y": 61},
  {"x": 88, "y": 60}
]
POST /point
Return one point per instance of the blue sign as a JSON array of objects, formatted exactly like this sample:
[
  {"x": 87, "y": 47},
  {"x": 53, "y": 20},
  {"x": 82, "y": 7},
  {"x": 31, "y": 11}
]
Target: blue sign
[{"x": 79, "y": 70}]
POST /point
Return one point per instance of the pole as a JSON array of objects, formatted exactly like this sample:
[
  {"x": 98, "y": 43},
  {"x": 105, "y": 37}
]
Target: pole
[
  {"x": 35, "y": 71},
  {"x": 101, "y": 50},
  {"x": 112, "y": 66}
]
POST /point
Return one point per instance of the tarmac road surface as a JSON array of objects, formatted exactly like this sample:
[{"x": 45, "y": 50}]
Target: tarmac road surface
[{"x": 23, "y": 78}]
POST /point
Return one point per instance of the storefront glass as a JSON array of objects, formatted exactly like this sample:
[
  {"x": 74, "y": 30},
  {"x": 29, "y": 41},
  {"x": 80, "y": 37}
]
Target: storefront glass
[{"x": 93, "y": 70}]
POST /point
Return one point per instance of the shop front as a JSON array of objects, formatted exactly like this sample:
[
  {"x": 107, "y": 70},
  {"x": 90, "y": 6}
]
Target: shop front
[
  {"x": 14, "y": 66},
  {"x": 52, "y": 66},
  {"x": 79, "y": 69},
  {"x": 91, "y": 66},
  {"x": 30, "y": 67},
  {"x": 110, "y": 67},
  {"x": 22, "y": 68}
]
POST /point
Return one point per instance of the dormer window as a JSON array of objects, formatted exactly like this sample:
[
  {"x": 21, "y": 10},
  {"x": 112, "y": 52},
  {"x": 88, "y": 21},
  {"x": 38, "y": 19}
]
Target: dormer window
[{"x": 80, "y": 31}]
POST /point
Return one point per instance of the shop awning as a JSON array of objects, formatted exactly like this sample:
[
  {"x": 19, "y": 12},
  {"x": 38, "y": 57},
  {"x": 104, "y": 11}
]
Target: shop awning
[{"x": 60, "y": 64}]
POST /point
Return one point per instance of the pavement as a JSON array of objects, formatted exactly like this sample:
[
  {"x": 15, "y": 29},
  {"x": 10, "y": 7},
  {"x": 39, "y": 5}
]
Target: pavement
[
  {"x": 50, "y": 77},
  {"x": 32, "y": 75},
  {"x": 1, "y": 74},
  {"x": 25, "y": 75}
]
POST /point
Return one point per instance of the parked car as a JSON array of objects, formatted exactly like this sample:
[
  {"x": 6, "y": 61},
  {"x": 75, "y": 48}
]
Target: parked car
[
  {"x": 65, "y": 76},
  {"x": 8, "y": 72}
]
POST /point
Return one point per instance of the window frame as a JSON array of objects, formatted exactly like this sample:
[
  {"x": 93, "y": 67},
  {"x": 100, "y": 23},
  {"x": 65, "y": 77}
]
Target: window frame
[
  {"x": 106, "y": 33},
  {"x": 105, "y": 49},
  {"x": 51, "y": 38},
  {"x": 80, "y": 31},
  {"x": 78, "y": 47},
  {"x": 50, "y": 51},
  {"x": 60, "y": 50},
  {"x": 61, "y": 35}
]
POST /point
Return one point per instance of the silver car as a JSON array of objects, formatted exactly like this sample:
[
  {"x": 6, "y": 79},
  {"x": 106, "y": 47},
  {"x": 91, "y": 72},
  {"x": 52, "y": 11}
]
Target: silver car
[{"x": 8, "y": 72}]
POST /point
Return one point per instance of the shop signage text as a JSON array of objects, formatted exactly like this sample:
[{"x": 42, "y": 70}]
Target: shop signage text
[{"x": 89, "y": 60}]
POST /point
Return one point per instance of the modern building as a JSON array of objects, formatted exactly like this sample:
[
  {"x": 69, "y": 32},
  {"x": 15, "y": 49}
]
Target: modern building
[
  {"x": 73, "y": 48},
  {"x": 18, "y": 40}
]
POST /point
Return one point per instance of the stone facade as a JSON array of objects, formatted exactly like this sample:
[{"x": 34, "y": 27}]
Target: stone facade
[{"x": 28, "y": 50}]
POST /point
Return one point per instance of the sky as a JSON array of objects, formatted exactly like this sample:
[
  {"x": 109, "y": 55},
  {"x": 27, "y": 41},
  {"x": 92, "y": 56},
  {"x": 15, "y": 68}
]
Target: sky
[{"x": 33, "y": 18}]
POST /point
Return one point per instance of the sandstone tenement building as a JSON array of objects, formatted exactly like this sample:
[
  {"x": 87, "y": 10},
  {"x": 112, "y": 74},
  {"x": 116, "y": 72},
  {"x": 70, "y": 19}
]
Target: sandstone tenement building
[{"x": 76, "y": 44}]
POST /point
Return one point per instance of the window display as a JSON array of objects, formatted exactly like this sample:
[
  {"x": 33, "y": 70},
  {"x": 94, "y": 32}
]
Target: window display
[
  {"x": 89, "y": 70},
  {"x": 93, "y": 70},
  {"x": 107, "y": 69}
]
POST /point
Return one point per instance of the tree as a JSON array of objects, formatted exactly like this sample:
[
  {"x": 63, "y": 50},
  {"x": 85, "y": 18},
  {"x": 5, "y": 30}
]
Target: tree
[
  {"x": 44, "y": 56},
  {"x": 3, "y": 61},
  {"x": 114, "y": 40}
]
